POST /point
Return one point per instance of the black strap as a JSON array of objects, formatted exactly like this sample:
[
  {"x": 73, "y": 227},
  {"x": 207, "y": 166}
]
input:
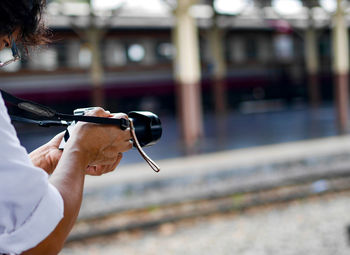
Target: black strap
[
  {"x": 53, "y": 118},
  {"x": 42, "y": 123}
]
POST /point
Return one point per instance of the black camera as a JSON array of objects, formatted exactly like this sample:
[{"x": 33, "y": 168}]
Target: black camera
[{"x": 147, "y": 125}]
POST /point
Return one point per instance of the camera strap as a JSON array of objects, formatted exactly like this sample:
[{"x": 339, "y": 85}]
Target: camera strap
[
  {"x": 52, "y": 118},
  {"x": 149, "y": 161}
]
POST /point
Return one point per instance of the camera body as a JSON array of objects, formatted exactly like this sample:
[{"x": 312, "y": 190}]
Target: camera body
[{"x": 147, "y": 125}]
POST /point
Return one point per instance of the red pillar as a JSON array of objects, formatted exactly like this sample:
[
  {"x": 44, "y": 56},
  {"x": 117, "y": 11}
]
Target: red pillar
[
  {"x": 341, "y": 67},
  {"x": 188, "y": 75}
]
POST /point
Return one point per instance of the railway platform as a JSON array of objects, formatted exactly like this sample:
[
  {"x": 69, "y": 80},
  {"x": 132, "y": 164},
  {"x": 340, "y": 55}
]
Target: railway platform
[
  {"x": 313, "y": 226},
  {"x": 214, "y": 175},
  {"x": 135, "y": 198}
]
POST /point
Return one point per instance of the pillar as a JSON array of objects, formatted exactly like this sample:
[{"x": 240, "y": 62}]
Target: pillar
[
  {"x": 94, "y": 37},
  {"x": 188, "y": 74},
  {"x": 341, "y": 67}
]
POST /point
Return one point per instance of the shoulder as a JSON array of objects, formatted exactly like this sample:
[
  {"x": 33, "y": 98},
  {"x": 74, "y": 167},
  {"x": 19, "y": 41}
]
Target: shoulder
[
  {"x": 10, "y": 145},
  {"x": 5, "y": 122}
]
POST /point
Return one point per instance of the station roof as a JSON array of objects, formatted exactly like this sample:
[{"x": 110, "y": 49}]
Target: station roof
[{"x": 159, "y": 13}]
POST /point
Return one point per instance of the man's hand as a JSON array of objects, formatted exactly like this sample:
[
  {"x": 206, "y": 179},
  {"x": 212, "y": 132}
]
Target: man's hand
[
  {"x": 102, "y": 144},
  {"x": 47, "y": 156}
]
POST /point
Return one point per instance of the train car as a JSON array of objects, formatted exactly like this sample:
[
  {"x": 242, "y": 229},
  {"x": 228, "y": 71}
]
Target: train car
[{"x": 138, "y": 68}]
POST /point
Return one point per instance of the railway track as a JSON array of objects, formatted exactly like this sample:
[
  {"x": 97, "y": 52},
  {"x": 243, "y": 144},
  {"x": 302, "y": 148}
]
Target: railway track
[{"x": 255, "y": 196}]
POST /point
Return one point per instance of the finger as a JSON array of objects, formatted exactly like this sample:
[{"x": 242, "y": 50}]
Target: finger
[
  {"x": 124, "y": 146},
  {"x": 116, "y": 163},
  {"x": 118, "y": 146},
  {"x": 111, "y": 168},
  {"x": 104, "y": 161},
  {"x": 57, "y": 139},
  {"x": 120, "y": 115},
  {"x": 103, "y": 169},
  {"x": 120, "y": 157},
  {"x": 91, "y": 170},
  {"x": 125, "y": 136},
  {"x": 97, "y": 170},
  {"x": 98, "y": 112},
  {"x": 110, "y": 154}
]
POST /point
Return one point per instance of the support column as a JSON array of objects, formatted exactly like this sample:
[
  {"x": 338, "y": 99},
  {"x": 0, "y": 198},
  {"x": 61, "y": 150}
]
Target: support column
[
  {"x": 216, "y": 39},
  {"x": 341, "y": 67},
  {"x": 312, "y": 66},
  {"x": 188, "y": 74},
  {"x": 94, "y": 35}
]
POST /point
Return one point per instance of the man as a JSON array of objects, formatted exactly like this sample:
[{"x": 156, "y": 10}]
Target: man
[{"x": 37, "y": 211}]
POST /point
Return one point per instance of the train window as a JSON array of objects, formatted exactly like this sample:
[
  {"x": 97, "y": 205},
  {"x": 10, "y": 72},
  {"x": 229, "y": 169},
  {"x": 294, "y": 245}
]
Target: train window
[
  {"x": 264, "y": 48},
  {"x": 283, "y": 45},
  {"x": 136, "y": 52},
  {"x": 45, "y": 59},
  {"x": 85, "y": 57},
  {"x": 165, "y": 51},
  {"x": 5, "y": 55},
  {"x": 237, "y": 49},
  {"x": 114, "y": 53},
  {"x": 251, "y": 48},
  {"x": 61, "y": 54},
  {"x": 49, "y": 59},
  {"x": 325, "y": 46}
]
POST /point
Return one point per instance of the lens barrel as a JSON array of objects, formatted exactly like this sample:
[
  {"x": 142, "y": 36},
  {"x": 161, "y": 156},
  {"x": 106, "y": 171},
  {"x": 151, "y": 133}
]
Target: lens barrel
[{"x": 148, "y": 127}]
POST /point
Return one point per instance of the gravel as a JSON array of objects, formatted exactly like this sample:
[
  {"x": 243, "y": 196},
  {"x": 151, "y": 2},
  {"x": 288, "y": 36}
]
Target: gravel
[{"x": 311, "y": 226}]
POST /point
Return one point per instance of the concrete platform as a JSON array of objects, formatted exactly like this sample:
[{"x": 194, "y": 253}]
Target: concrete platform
[
  {"x": 312, "y": 226},
  {"x": 186, "y": 178}
]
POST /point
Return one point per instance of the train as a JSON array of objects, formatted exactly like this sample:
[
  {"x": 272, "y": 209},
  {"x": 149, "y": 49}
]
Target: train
[{"x": 262, "y": 64}]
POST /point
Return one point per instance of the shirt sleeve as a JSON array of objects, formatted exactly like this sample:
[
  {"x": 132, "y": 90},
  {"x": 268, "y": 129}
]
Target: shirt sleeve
[{"x": 30, "y": 207}]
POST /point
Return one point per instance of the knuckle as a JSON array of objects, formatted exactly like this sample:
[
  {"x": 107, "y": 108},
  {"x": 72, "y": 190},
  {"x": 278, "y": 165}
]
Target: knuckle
[
  {"x": 96, "y": 111},
  {"x": 120, "y": 115}
]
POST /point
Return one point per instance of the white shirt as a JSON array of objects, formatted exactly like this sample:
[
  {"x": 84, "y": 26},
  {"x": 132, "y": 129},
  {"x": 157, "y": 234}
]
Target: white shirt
[{"x": 30, "y": 207}]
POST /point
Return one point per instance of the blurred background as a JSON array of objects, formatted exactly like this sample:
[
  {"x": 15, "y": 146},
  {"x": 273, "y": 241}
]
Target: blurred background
[{"x": 253, "y": 97}]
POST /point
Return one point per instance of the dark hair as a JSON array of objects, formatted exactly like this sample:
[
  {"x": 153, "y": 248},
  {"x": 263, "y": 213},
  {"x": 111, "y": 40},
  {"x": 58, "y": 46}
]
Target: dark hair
[{"x": 25, "y": 15}]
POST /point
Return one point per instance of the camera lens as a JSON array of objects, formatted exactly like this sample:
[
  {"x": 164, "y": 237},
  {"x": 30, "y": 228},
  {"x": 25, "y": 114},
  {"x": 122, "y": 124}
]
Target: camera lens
[{"x": 148, "y": 127}]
